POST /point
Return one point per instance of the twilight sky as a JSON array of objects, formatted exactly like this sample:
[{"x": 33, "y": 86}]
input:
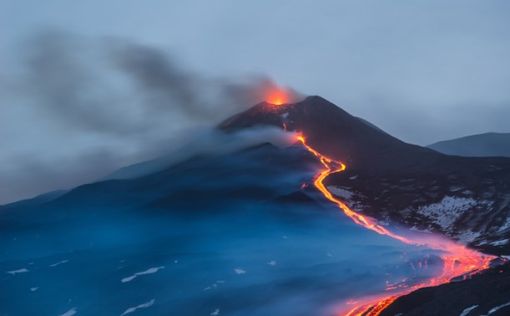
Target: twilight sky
[{"x": 87, "y": 87}]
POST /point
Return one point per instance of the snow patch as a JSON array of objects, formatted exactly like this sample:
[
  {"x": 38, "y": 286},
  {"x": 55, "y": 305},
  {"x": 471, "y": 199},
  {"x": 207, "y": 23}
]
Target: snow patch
[
  {"x": 468, "y": 310},
  {"x": 505, "y": 226},
  {"x": 239, "y": 271},
  {"x": 137, "y": 274},
  {"x": 141, "y": 306},
  {"x": 445, "y": 212},
  {"x": 455, "y": 189},
  {"x": 341, "y": 192},
  {"x": 13, "y": 272},
  {"x": 70, "y": 312},
  {"x": 214, "y": 285},
  {"x": 497, "y": 308},
  {"x": 499, "y": 242},
  {"x": 59, "y": 263}
]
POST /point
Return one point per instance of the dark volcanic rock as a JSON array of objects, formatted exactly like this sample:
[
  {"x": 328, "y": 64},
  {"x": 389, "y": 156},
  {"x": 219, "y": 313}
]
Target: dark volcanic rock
[{"x": 487, "y": 291}]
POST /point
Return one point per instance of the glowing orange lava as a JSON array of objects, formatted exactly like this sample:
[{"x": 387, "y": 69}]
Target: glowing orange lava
[
  {"x": 332, "y": 166},
  {"x": 457, "y": 260},
  {"x": 277, "y": 96}
]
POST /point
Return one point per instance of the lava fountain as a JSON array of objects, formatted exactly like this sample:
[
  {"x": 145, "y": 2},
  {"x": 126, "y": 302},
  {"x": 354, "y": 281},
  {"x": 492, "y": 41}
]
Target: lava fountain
[
  {"x": 457, "y": 259},
  {"x": 278, "y": 96}
]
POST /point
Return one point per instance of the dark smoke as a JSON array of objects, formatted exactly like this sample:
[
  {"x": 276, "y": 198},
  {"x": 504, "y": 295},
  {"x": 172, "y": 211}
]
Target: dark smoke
[
  {"x": 159, "y": 79},
  {"x": 70, "y": 78},
  {"x": 163, "y": 83},
  {"x": 64, "y": 85},
  {"x": 101, "y": 104}
]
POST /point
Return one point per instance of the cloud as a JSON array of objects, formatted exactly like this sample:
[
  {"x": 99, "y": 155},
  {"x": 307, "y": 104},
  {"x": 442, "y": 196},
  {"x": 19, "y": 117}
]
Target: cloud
[{"x": 80, "y": 108}]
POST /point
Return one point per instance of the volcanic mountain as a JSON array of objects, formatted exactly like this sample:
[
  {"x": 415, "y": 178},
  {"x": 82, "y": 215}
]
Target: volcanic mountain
[
  {"x": 336, "y": 133},
  {"x": 393, "y": 181},
  {"x": 245, "y": 232}
]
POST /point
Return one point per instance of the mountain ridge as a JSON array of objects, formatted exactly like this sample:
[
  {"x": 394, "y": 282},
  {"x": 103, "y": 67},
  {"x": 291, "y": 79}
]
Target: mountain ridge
[{"x": 488, "y": 144}]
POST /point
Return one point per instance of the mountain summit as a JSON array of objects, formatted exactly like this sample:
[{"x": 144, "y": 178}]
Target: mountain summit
[{"x": 336, "y": 133}]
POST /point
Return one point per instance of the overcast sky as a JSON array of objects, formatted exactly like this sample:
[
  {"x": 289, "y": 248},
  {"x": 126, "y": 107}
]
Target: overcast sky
[{"x": 421, "y": 70}]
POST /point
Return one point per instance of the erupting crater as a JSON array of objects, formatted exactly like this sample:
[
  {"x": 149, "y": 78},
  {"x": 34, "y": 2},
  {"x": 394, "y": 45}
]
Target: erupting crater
[{"x": 278, "y": 96}]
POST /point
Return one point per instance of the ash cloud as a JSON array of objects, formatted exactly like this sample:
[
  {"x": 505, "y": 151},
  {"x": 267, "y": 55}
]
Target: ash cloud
[
  {"x": 162, "y": 83},
  {"x": 80, "y": 108},
  {"x": 67, "y": 87},
  {"x": 91, "y": 84}
]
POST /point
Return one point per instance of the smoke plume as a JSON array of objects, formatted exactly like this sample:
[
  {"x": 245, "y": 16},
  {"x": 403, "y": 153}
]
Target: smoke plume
[{"x": 84, "y": 107}]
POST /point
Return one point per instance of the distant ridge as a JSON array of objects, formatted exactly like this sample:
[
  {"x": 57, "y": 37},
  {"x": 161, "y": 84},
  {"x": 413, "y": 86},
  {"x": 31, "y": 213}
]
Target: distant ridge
[{"x": 480, "y": 145}]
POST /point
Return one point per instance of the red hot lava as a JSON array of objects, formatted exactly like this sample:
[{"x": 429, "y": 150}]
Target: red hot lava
[
  {"x": 278, "y": 96},
  {"x": 457, "y": 260}
]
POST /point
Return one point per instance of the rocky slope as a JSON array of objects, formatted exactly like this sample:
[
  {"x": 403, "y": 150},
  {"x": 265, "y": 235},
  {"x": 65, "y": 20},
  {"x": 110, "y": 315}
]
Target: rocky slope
[{"x": 485, "y": 294}]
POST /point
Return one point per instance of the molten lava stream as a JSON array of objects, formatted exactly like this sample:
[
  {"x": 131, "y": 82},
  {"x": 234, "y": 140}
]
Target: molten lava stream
[{"x": 457, "y": 260}]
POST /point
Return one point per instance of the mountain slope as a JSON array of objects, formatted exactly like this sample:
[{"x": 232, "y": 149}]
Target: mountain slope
[
  {"x": 336, "y": 133},
  {"x": 465, "y": 198},
  {"x": 204, "y": 175},
  {"x": 481, "y": 145},
  {"x": 234, "y": 232},
  {"x": 237, "y": 232}
]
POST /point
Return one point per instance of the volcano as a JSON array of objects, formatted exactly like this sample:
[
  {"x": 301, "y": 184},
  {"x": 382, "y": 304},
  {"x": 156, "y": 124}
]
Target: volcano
[
  {"x": 254, "y": 230},
  {"x": 465, "y": 198},
  {"x": 401, "y": 183}
]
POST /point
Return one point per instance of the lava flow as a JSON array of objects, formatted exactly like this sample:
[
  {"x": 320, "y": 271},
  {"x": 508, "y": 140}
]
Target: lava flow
[{"x": 457, "y": 260}]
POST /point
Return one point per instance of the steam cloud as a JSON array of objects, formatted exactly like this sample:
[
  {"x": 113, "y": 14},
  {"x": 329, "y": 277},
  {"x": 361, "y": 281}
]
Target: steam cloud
[{"x": 100, "y": 104}]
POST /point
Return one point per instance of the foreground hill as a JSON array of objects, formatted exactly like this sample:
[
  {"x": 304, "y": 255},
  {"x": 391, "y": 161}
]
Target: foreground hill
[{"x": 484, "y": 294}]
